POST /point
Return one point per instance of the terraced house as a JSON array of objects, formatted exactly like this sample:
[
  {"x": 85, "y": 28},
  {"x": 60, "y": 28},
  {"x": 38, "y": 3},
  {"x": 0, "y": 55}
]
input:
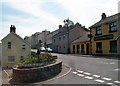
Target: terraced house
[
  {"x": 105, "y": 36},
  {"x": 14, "y": 48}
]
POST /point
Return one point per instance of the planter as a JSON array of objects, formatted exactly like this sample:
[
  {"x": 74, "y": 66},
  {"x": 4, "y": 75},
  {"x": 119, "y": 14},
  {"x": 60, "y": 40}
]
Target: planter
[{"x": 37, "y": 73}]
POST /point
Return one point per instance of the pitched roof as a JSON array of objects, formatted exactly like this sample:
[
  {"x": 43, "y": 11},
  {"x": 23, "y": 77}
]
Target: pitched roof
[
  {"x": 16, "y": 36},
  {"x": 82, "y": 38},
  {"x": 107, "y": 20}
]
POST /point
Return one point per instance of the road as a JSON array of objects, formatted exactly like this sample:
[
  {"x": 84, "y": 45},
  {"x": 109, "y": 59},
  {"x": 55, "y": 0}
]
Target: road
[
  {"x": 85, "y": 69},
  {"x": 89, "y": 70}
]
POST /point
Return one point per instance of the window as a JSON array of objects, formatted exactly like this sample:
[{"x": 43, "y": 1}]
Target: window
[
  {"x": 21, "y": 58},
  {"x": 99, "y": 47},
  {"x": 11, "y": 59},
  {"x": 9, "y": 45},
  {"x": 113, "y": 46},
  {"x": 113, "y": 26},
  {"x": 54, "y": 40},
  {"x": 23, "y": 46},
  {"x": 98, "y": 30},
  {"x": 64, "y": 37},
  {"x": 59, "y": 38}
]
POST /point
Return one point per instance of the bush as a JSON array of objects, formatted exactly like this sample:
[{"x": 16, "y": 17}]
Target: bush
[{"x": 35, "y": 59}]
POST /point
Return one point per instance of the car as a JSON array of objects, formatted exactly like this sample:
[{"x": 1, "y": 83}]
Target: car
[
  {"x": 49, "y": 49},
  {"x": 42, "y": 49}
]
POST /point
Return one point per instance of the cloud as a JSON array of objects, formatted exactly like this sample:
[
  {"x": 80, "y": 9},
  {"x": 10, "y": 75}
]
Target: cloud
[{"x": 32, "y": 16}]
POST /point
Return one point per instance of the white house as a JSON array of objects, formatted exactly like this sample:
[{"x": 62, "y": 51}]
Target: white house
[{"x": 14, "y": 48}]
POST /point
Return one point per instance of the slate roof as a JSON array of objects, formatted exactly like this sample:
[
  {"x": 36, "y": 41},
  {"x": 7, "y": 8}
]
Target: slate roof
[
  {"x": 106, "y": 20},
  {"x": 82, "y": 38},
  {"x": 17, "y": 36}
]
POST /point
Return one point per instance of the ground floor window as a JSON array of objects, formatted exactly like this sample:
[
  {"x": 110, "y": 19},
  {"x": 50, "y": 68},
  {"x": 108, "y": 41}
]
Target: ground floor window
[
  {"x": 99, "y": 47},
  {"x": 21, "y": 58},
  {"x": 11, "y": 59},
  {"x": 113, "y": 46}
]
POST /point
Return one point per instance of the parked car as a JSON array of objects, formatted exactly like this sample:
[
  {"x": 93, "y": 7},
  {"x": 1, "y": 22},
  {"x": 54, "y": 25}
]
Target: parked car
[
  {"x": 49, "y": 49},
  {"x": 42, "y": 49}
]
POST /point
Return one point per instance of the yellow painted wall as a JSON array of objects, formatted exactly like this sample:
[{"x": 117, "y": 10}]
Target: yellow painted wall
[
  {"x": 105, "y": 43},
  {"x": 86, "y": 42}
]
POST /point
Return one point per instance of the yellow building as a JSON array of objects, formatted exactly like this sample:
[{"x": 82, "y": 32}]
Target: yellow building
[
  {"x": 81, "y": 45},
  {"x": 105, "y": 36},
  {"x": 14, "y": 48}
]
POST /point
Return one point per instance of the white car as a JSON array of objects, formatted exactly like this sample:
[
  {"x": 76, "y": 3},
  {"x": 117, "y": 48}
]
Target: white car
[
  {"x": 42, "y": 49},
  {"x": 49, "y": 49}
]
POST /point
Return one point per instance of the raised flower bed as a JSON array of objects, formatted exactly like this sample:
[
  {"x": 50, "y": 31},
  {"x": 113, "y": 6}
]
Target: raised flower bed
[{"x": 36, "y": 71}]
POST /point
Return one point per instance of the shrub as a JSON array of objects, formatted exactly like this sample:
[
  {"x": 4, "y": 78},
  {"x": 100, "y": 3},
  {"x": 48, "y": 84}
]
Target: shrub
[{"x": 34, "y": 59}]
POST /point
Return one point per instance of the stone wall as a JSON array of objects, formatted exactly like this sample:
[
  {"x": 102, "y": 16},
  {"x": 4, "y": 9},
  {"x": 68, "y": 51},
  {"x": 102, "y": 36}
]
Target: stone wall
[{"x": 37, "y": 73}]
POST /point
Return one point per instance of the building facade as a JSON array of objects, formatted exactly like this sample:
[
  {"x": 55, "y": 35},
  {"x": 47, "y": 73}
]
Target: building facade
[
  {"x": 65, "y": 36},
  {"x": 105, "y": 36},
  {"x": 81, "y": 45},
  {"x": 49, "y": 38},
  {"x": 14, "y": 48},
  {"x": 35, "y": 38},
  {"x": 28, "y": 39}
]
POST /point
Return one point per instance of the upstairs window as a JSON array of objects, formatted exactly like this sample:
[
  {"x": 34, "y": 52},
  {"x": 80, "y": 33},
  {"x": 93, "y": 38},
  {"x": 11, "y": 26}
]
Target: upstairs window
[
  {"x": 23, "y": 46},
  {"x": 59, "y": 38},
  {"x": 113, "y": 27},
  {"x": 99, "y": 47},
  {"x": 113, "y": 46},
  {"x": 9, "y": 45},
  {"x": 98, "y": 30}
]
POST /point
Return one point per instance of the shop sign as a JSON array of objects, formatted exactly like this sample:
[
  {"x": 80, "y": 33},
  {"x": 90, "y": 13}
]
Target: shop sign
[{"x": 104, "y": 37}]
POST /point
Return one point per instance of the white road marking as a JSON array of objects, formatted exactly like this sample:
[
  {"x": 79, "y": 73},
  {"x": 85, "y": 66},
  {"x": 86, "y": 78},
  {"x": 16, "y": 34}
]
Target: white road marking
[
  {"x": 117, "y": 69},
  {"x": 86, "y": 73},
  {"x": 88, "y": 77},
  {"x": 105, "y": 78},
  {"x": 74, "y": 72},
  {"x": 117, "y": 82},
  {"x": 112, "y": 63},
  {"x": 98, "y": 80},
  {"x": 79, "y": 71},
  {"x": 109, "y": 83},
  {"x": 80, "y": 75},
  {"x": 96, "y": 76}
]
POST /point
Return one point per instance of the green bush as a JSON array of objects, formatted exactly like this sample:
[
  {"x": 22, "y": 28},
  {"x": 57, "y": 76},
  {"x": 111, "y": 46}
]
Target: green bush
[{"x": 35, "y": 59}]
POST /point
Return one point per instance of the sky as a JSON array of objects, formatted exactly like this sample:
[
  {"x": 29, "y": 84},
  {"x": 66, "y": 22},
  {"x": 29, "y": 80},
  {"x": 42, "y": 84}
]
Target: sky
[{"x": 30, "y": 16}]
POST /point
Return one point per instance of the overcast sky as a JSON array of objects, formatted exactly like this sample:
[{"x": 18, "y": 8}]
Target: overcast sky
[{"x": 30, "y": 16}]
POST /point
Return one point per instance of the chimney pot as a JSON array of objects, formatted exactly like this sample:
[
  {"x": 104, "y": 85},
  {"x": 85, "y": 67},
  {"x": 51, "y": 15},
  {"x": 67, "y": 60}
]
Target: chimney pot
[
  {"x": 60, "y": 26},
  {"x": 13, "y": 29},
  {"x": 103, "y": 16}
]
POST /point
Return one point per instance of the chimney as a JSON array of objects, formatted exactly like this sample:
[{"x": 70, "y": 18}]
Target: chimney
[
  {"x": 103, "y": 16},
  {"x": 12, "y": 29},
  {"x": 60, "y": 26}
]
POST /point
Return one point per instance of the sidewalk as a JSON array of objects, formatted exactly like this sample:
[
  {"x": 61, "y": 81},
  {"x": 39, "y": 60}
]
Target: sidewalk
[{"x": 97, "y": 56}]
